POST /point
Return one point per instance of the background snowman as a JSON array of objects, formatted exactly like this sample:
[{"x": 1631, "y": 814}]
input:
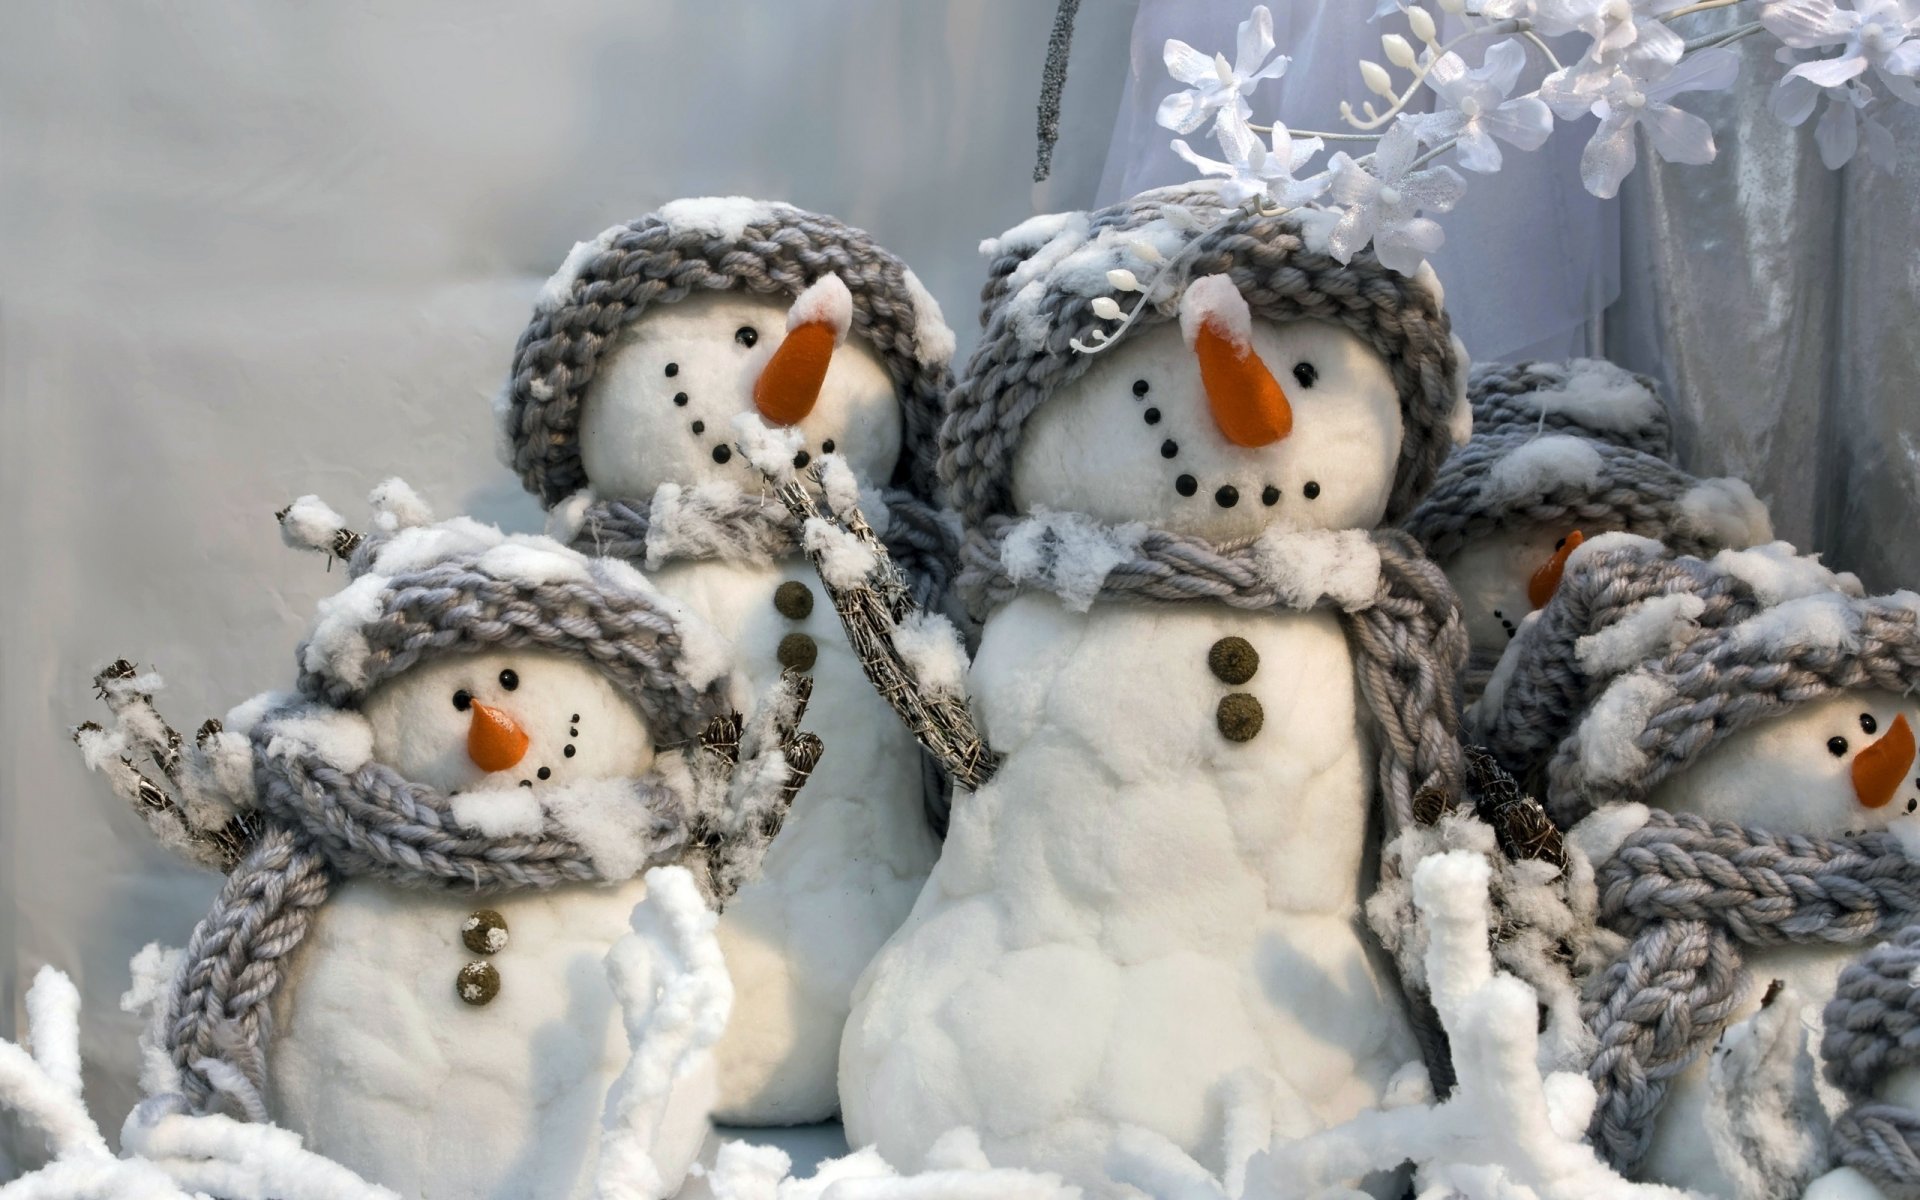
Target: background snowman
[
  {"x": 1561, "y": 453},
  {"x": 1206, "y": 678},
  {"x": 1763, "y": 773},
  {"x": 622, "y": 414},
  {"x": 438, "y": 837}
]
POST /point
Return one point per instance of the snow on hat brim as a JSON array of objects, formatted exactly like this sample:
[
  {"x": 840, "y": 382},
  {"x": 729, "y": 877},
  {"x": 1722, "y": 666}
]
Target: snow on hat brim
[
  {"x": 705, "y": 245},
  {"x": 1590, "y": 397},
  {"x": 461, "y": 587},
  {"x": 1514, "y": 478},
  {"x": 1044, "y": 276},
  {"x": 1663, "y": 715}
]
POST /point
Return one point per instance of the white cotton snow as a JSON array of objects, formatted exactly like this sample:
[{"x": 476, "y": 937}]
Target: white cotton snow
[
  {"x": 558, "y": 288},
  {"x": 1599, "y": 835},
  {"x": 412, "y": 549},
  {"x": 841, "y": 486},
  {"x": 150, "y": 979},
  {"x": 1600, "y": 395},
  {"x": 1062, "y": 257},
  {"x": 721, "y": 216},
  {"x": 769, "y": 448},
  {"x": 1727, "y": 511},
  {"x": 566, "y": 519},
  {"x": 1825, "y": 621},
  {"x": 1460, "y": 420},
  {"x": 397, "y": 506},
  {"x": 1647, "y": 629},
  {"x": 1343, "y": 564},
  {"x": 1212, "y": 302},
  {"x": 826, "y": 301},
  {"x": 308, "y": 524},
  {"x": 1604, "y": 740},
  {"x": 931, "y": 648},
  {"x": 1073, "y": 552},
  {"x": 1543, "y": 465},
  {"x": 534, "y": 561},
  {"x": 498, "y": 812},
  {"x": 242, "y": 717},
  {"x": 1777, "y": 572},
  {"x": 845, "y": 561},
  {"x": 607, "y": 819},
  {"x": 1607, "y": 543},
  {"x": 337, "y": 642},
  {"x": 338, "y": 737},
  {"x": 933, "y": 339}
]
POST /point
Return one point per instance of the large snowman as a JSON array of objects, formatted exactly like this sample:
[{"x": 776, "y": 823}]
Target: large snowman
[
  {"x": 1149, "y": 915},
  {"x": 1783, "y": 746},
  {"x": 623, "y": 414},
  {"x": 444, "y": 831}
]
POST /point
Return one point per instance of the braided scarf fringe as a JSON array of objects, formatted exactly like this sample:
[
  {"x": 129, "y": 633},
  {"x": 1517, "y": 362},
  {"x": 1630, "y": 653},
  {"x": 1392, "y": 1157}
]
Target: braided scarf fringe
[
  {"x": 1873, "y": 1030},
  {"x": 1692, "y": 896}
]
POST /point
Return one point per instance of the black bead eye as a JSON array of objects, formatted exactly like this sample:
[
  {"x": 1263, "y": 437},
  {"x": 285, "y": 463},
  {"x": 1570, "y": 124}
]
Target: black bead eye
[
  {"x": 1868, "y": 724},
  {"x": 509, "y": 679},
  {"x": 1311, "y": 491},
  {"x": 1836, "y": 746},
  {"x": 463, "y": 699},
  {"x": 746, "y": 335},
  {"x": 1306, "y": 373}
]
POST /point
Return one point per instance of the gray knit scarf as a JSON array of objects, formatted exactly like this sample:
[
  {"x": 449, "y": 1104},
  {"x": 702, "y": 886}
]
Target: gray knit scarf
[
  {"x": 321, "y": 824},
  {"x": 1406, "y": 633},
  {"x": 1691, "y": 896},
  {"x": 744, "y": 526},
  {"x": 1872, "y": 1030}
]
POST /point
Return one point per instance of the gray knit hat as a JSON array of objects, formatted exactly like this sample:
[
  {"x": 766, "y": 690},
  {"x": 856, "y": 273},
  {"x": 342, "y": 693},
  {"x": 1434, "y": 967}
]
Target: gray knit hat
[
  {"x": 1512, "y": 477},
  {"x": 710, "y": 245},
  {"x": 420, "y": 590},
  {"x": 1043, "y": 279},
  {"x": 1662, "y": 715},
  {"x": 1623, "y": 599},
  {"x": 1590, "y": 397}
]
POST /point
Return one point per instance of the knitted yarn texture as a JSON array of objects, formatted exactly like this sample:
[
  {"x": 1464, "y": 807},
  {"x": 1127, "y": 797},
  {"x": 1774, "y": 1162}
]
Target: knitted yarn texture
[
  {"x": 1559, "y": 397},
  {"x": 1873, "y": 1030}
]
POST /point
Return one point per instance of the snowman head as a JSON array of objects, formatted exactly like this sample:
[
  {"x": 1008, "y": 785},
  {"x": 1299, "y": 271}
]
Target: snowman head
[
  {"x": 1800, "y": 717},
  {"x": 1267, "y": 386},
  {"x": 652, "y": 340}
]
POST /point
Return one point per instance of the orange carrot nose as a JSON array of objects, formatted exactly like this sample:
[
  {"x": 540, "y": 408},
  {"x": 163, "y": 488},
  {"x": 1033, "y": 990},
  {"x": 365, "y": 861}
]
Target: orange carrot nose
[
  {"x": 1247, "y": 402},
  {"x": 1546, "y": 581},
  {"x": 495, "y": 740},
  {"x": 817, "y": 323},
  {"x": 1880, "y": 769}
]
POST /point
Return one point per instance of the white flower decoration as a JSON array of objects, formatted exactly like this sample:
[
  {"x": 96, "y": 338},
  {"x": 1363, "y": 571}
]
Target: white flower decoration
[
  {"x": 1844, "y": 121},
  {"x": 1475, "y": 108},
  {"x": 1383, "y": 206},
  {"x": 1676, "y": 136},
  {"x": 1252, "y": 170},
  {"x": 1215, "y": 87},
  {"x": 1881, "y": 35}
]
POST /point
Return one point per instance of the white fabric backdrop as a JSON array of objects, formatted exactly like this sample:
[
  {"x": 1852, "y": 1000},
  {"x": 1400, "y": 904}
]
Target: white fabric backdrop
[{"x": 254, "y": 250}]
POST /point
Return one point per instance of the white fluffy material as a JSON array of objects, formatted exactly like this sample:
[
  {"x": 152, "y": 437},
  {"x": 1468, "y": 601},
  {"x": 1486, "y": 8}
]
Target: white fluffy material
[
  {"x": 558, "y": 288},
  {"x": 1212, "y": 302},
  {"x": 1460, "y": 420},
  {"x": 606, "y": 818},
  {"x": 841, "y": 486},
  {"x": 535, "y": 561},
  {"x": 1543, "y": 465},
  {"x": 825, "y": 302},
  {"x": 1060, "y": 255},
  {"x": 931, "y": 647},
  {"x": 1604, "y": 543},
  {"x": 150, "y": 981},
  {"x": 498, "y": 812},
  {"x": 1824, "y": 621},
  {"x": 309, "y": 524},
  {"x": 1496, "y": 690},
  {"x": 244, "y": 716},
  {"x": 724, "y": 217},
  {"x": 566, "y": 519},
  {"x": 957, "y": 1169},
  {"x": 1604, "y": 739},
  {"x": 1777, "y": 572},
  {"x": 1074, "y": 551},
  {"x": 1647, "y": 629},
  {"x": 1727, "y": 511},
  {"x": 771, "y": 448},
  {"x": 1599, "y": 836},
  {"x": 933, "y": 340},
  {"x": 1602, "y": 396},
  {"x": 339, "y": 737},
  {"x": 1304, "y": 565},
  {"x": 844, "y": 561},
  {"x": 397, "y": 506}
]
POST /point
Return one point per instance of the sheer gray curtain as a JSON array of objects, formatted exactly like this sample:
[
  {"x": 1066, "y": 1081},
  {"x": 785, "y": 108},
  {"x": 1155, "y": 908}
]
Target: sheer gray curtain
[{"x": 1776, "y": 299}]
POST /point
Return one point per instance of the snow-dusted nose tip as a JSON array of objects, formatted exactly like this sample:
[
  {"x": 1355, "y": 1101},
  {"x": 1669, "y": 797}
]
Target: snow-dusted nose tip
[
  {"x": 1880, "y": 769},
  {"x": 789, "y": 384},
  {"x": 1247, "y": 402},
  {"x": 1546, "y": 581},
  {"x": 495, "y": 740}
]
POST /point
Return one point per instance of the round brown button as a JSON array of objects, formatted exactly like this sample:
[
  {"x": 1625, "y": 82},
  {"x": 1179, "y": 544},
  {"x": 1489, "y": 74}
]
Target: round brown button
[
  {"x": 484, "y": 932},
  {"x": 1233, "y": 660},
  {"x": 797, "y": 652},
  {"x": 478, "y": 983},
  {"x": 794, "y": 600},
  {"x": 1239, "y": 717}
]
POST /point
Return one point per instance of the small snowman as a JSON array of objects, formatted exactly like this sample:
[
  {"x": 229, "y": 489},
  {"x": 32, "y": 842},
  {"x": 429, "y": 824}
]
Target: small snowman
[
  {"x": 1190, "y": 697},
  {"x": 1770, "y": 768},
  {"x": 434, "y": 842},
  {"x": 1550, "y": 467},
  {"x": 653, "y": 356}
]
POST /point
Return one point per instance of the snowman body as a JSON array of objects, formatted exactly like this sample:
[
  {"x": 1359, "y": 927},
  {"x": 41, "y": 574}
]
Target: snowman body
[
  {"x": 843, "y": 873},
  {"x": 1791, "y": 774},
  {"x": 1137, "y": 918}
]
